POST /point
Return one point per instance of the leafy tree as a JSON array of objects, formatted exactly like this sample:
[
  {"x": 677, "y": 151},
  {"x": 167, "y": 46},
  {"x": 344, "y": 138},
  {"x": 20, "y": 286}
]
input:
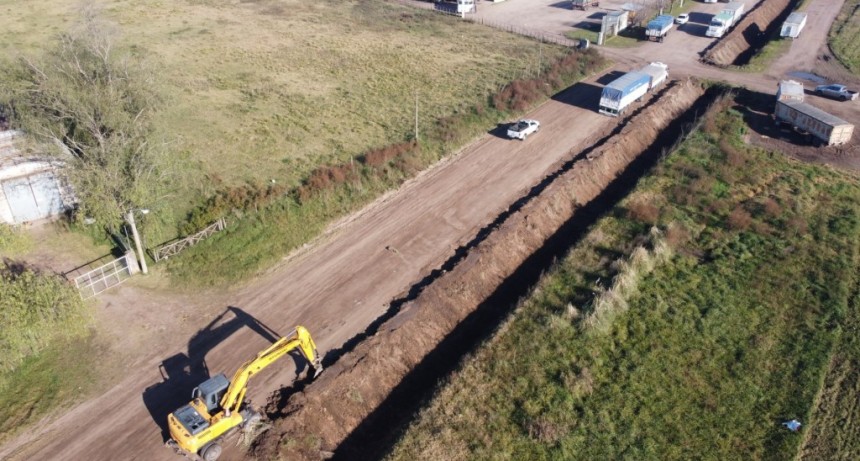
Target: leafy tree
[{"x": 91, "y": 103}]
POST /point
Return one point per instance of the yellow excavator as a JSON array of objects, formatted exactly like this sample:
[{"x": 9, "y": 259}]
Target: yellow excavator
[{"x": 218, "y": 406}]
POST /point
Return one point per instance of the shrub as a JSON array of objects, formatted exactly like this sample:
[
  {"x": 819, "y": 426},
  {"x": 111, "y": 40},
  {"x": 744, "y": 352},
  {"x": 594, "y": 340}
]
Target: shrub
[
  {"x": 35, "y": 309},
  {"x": 643, "y": 211},
  {"x": 739, "y": 219}
]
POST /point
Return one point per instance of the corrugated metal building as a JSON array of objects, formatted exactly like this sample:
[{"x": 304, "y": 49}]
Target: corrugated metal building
[{"x": 31, "y": 187}]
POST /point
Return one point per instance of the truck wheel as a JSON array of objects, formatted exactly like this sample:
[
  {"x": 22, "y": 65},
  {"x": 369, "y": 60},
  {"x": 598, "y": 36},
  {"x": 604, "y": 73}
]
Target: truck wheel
[{"x": 211, "y": 452}]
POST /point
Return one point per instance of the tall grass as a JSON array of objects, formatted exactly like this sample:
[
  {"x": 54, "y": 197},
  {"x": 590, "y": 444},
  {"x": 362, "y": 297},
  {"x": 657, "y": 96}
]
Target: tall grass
[
  {"x": 269, "y": 220},
  {"x": 35, "y": 310},
  {"x": 630, "y": 271},
  {"x": 13, "y": 241},
  {"x": 727, "y": 337},
  {"x": 44, "y": 357},
  {"x": 845, "y": 34}
]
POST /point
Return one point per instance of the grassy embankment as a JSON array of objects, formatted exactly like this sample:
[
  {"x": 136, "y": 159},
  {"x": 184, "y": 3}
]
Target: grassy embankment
[
  {"x": 845, "y": 34},
  {"x": 264, "y": 93},
  {"x": 717, "y": 328},
  {"x": 45, "y": 348}
]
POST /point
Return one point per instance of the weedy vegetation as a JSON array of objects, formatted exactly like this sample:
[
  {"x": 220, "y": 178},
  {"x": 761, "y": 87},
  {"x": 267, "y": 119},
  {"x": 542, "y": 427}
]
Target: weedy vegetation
[
  {"x": 693, "y": 319},
  {"x": 845, "y": 34},
  {"x": 43, "y": 345},
  {"x": 303, "y": 116}
]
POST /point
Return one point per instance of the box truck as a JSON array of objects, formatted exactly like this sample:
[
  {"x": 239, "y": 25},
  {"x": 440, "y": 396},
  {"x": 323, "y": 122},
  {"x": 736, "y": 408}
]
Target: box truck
[
  {"x": 622, "y": 92},
  {"x": 658, "y": 28}
]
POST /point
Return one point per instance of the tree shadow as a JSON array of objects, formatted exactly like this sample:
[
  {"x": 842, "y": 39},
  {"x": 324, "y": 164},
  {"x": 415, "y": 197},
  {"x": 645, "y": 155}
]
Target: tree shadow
[
  {"x": 696, "y": 30},
  {"x": 588, "y": 25},
  {"x": 609, "y": 77},
  {"x": 583, "y": 95},
  {"x": 181, "y": 373},
  {"x": 700, "y": 18}
]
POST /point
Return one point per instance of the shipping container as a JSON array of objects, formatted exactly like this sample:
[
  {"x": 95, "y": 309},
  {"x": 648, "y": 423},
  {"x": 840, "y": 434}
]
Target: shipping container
[
  {"x": 622, "y": 92},
  {"x": 789, "y": 90},
  {"x": 819, "y": 125}
]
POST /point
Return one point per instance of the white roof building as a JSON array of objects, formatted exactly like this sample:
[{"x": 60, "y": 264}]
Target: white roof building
[{"x": 31, "y": 187}]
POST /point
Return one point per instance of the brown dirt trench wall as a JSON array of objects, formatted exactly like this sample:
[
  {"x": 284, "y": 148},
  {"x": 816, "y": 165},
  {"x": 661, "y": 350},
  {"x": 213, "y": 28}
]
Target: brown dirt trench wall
[
  {"x": 329, "y": 409},
  {"x": 746, "y": 33}
]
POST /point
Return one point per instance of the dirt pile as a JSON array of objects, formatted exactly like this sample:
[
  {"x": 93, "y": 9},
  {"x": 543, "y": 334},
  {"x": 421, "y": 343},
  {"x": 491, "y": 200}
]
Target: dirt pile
[
  {"x": 319, "y": 418},
  {"x": 748, "y": 35}
]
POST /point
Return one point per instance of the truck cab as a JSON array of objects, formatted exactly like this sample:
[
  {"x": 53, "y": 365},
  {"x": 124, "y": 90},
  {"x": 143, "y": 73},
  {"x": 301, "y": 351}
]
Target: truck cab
[{"x": 718, "y": 25}]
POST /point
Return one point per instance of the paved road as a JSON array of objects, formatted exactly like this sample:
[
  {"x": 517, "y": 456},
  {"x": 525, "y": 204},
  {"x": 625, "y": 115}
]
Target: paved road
[{"x": 341, "y": 284}]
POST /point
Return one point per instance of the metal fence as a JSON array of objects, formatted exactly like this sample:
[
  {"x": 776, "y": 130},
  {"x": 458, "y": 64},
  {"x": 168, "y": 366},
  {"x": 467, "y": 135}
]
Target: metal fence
[
  {"x": 105, "y": 276},
  {"x": 173, "y": 248},
  {"x": 536, "y": 34}
]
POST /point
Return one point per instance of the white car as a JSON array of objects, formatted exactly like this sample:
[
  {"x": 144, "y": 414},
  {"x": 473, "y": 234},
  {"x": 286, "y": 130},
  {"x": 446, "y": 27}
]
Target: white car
[
  {"x": 522, "y": 129},
  {"x": 682, "y": 18}
]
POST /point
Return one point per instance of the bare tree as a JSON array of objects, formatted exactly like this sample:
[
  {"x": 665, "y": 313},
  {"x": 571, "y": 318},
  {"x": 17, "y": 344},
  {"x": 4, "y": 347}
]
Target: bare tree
[{"x": 91, "y": 104}]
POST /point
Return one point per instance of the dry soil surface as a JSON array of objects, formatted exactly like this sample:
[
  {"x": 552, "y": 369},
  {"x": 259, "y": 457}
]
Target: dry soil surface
[{"x": 343, "y": 282}]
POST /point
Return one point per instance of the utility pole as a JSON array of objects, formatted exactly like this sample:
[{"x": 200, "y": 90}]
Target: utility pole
[
  {"x": 416, "y": 115},
  {"x": 130, "y": 218},
  {"x": 540, "y": 58}
]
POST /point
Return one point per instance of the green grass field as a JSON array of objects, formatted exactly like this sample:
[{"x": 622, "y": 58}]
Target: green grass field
[
  {"x": 270, "y": 89},
  {"x": 845, "y": 34},
  {"x": 718, "y": 328},
  {"x": 265, "y": 92}
]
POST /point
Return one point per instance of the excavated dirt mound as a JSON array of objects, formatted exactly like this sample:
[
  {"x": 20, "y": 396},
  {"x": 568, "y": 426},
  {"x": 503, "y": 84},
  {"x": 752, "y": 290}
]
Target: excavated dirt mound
[
  {"x": 748, "y": 35},
  {"x": 317, "y": 419}
]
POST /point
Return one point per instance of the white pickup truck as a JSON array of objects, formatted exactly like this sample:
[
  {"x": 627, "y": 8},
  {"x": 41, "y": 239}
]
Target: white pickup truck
[
  {"x": 522, "y": 129},
  {"x": 836, "y": 92}
]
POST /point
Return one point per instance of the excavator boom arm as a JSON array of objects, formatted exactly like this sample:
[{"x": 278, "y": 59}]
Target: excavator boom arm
[{"x": 299, "y": 339}]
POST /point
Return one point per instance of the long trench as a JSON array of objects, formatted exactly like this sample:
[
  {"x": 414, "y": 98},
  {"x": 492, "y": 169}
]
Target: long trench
[{"x": 374, "y": 386}]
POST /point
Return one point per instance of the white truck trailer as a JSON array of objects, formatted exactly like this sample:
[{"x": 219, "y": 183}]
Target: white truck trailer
[
  {"x": 622, "y": 91},
  {"x": 658, "y": 72},
  {"x": 793, "y": 25},
  {"x": 822, "y": 127}
]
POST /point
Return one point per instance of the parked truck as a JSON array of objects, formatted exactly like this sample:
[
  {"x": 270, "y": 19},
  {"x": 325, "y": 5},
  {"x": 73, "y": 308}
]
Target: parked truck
[
  {"x": 658, "y": 73},
  {"x": 583, "y": 4},
  {"x": 725, "y": 19},
  {"x": 622, "y": 91},
  {"x": 735, "y": 9},
  {"x": 793, "y": 25},
  {"x": 819, "y": 126},
  {"x": 659, "y": 27}
]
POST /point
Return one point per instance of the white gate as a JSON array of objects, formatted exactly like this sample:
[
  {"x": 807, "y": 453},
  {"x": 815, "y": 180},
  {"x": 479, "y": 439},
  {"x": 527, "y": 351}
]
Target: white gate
[{"x": 106, "y": 276}]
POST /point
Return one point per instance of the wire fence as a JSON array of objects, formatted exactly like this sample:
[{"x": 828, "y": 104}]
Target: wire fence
[{"x": 533, "y": 33}]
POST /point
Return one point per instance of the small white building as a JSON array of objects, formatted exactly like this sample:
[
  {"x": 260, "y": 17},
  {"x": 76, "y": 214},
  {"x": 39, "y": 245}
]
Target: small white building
[
  {"x": 614, "y": 22},
  {"x": 31, "y": 187}
]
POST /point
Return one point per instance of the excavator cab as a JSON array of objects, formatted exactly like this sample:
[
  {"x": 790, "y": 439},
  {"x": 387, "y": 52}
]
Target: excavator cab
[{"x": 211, "y": 391}]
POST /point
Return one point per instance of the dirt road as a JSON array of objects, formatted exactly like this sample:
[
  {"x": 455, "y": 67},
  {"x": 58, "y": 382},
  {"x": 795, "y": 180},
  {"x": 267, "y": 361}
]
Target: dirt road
[
  {"x": 336, "y": 289},
  {"x": 345, "y": 281}
]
